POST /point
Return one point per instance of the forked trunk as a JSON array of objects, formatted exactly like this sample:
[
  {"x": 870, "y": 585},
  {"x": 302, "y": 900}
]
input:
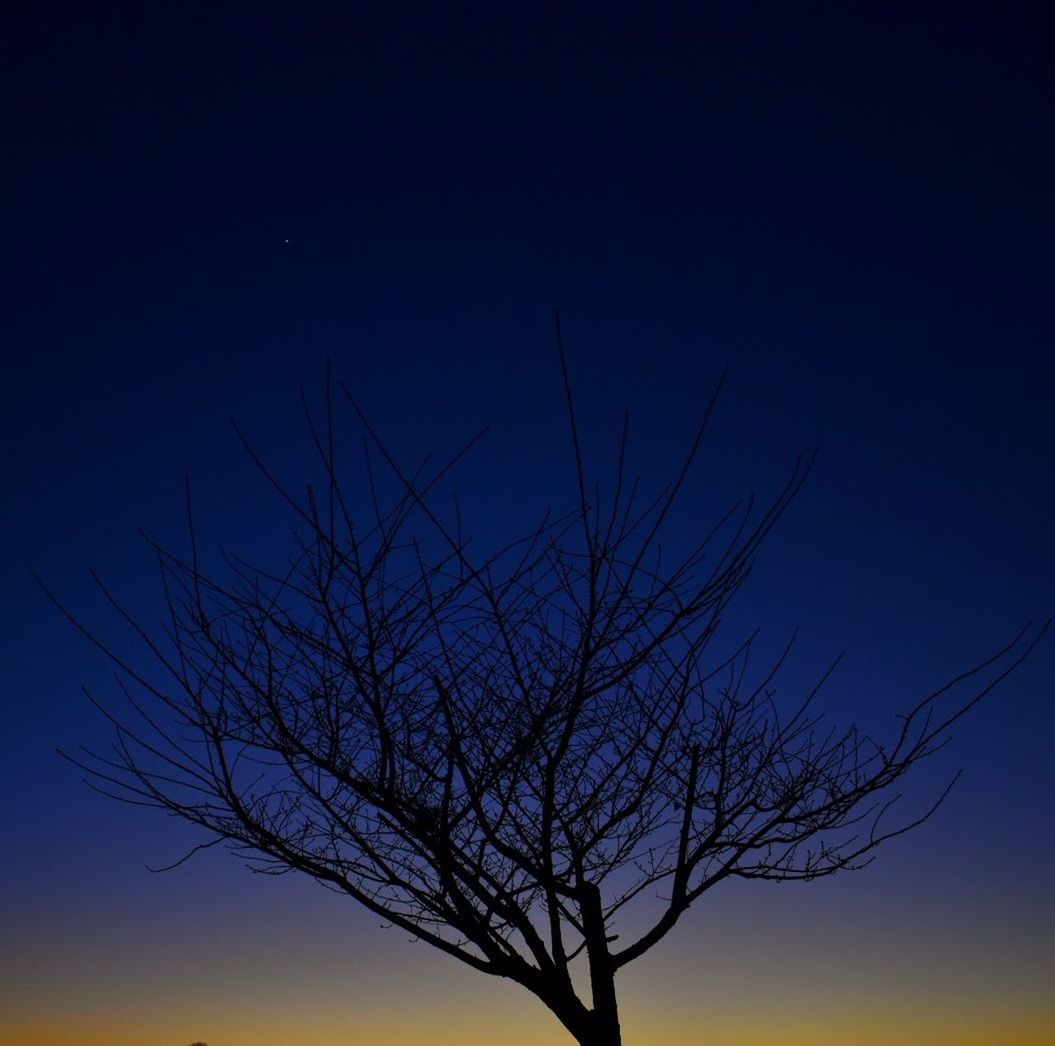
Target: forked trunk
[
  {"x": 602, "y": 1032},
  {"x": 603, "y": 1025}
]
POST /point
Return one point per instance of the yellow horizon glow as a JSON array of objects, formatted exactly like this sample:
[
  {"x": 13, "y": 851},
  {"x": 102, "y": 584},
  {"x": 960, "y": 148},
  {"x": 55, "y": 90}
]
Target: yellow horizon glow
[{"x": 904, "y": 1023}]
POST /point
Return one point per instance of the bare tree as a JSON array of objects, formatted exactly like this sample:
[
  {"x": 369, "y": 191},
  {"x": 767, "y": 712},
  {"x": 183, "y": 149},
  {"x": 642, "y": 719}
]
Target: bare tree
[{"x": 499, "y": 753}]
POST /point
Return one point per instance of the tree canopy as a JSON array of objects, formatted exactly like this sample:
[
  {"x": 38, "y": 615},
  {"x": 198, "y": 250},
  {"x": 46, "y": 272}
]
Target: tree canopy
[{"x": 501, "y": 752}]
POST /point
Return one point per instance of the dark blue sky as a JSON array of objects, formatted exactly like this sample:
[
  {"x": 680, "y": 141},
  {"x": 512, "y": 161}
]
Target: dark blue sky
[{"x": 849, "y": 207}]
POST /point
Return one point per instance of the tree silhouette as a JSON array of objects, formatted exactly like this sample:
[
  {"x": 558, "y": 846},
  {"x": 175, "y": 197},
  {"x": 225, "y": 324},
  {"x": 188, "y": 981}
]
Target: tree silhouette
[{"x": 500, "y": 752}]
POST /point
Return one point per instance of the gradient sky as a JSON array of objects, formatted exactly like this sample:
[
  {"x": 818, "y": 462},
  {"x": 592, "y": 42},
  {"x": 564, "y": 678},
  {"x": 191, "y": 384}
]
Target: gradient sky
[{"x": 852, "y": 209}]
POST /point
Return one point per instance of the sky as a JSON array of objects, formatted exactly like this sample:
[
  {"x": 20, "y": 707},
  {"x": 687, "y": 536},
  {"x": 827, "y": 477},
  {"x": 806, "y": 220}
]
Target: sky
[{"x": 847, "y": 206}]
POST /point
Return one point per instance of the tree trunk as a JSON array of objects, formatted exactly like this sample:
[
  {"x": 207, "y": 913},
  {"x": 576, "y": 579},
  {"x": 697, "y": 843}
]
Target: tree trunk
[
  {"x": 602, "y": 1033},
  {"x": 603, "y": 1022}
]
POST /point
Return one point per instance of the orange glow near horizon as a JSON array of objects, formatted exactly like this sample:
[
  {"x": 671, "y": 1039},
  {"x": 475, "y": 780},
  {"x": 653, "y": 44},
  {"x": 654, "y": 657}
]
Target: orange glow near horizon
[
  {"x": 906, "y": 1028},
  {"x": 753, "y": 970}
]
